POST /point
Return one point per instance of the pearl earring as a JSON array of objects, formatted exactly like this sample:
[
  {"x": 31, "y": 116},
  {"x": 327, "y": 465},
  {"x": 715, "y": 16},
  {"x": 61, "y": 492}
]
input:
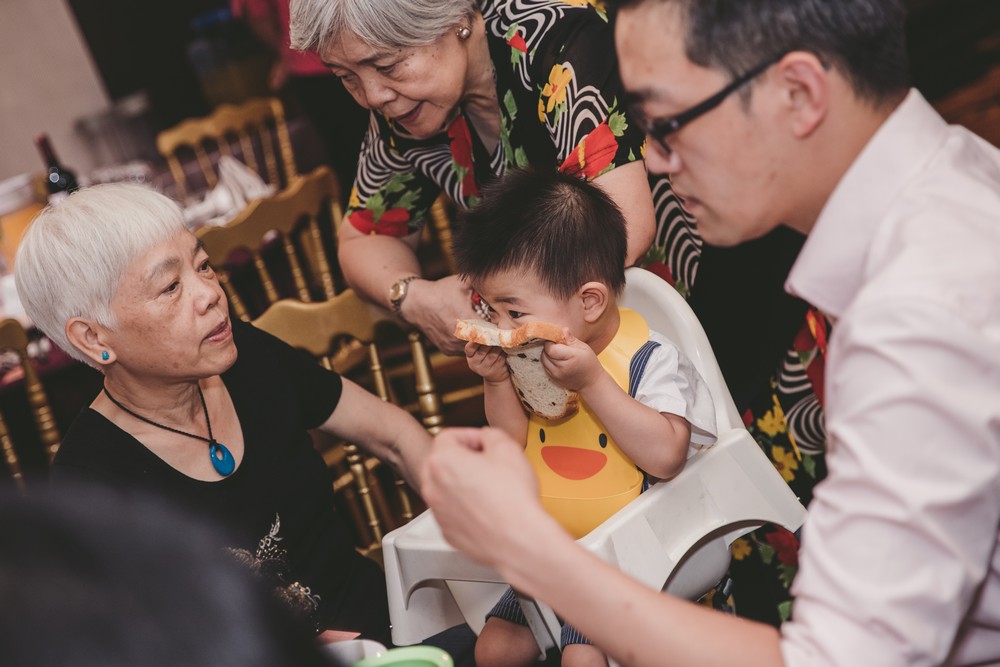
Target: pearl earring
[{"x": 464, "y": 32}]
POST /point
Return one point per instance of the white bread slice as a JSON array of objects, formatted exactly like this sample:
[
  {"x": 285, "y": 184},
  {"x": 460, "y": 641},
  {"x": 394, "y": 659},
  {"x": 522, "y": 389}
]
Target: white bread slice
[{"x": 524, "y": 346}]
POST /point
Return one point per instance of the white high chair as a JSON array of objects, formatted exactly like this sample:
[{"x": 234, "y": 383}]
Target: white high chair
[{"x": 674, "y": 537}]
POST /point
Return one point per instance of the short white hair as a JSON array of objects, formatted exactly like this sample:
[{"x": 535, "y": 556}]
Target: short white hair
[
  {"x": 393, "y": 24},
  {"x": 74, "y": 254}
]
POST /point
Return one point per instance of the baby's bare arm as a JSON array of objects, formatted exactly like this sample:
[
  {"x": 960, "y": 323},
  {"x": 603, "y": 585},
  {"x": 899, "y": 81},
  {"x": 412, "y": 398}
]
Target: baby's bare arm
[
  {"x": 657, "y": 442},
  {"x": 503, "y": 407}
]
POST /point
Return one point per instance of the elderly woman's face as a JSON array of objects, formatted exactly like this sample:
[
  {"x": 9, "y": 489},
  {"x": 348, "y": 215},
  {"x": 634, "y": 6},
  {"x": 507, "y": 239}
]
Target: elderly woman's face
[
  {"x": 418, "y": 88},
  {"x": 171, "y": 314}
]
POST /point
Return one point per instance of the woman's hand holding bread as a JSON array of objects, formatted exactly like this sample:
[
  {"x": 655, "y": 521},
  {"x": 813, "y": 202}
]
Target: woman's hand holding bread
[{"x": 434, "y": 306}]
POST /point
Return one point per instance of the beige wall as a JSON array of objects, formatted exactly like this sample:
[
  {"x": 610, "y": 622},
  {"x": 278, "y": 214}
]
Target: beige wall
[{"x": 47, "y": 81}]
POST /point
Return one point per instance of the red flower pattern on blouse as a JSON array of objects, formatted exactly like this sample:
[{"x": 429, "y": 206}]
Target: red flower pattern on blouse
[
  {"x": 662, "y": 270},
  {"x": 391, "y": 223},
  {"x": 786, "y": 546},
  {"x": 592, "y": 155},
  {"x": 811, "y": 341},
  {"x": 461, "y": 153},
  {"x": 517, "y": 41}
]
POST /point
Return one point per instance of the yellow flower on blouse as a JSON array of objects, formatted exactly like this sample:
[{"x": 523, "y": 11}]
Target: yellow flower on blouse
[
  {"x": 541, "y": 110},
  {"x": 583, "y": 3},
  {"x": 555, "y": 89},
  {"x": 773, "y": 421},
  {"x": 740, "y": 549},
  {"x": 785, "y": 462},
  {"x": 354, "y": 201}
]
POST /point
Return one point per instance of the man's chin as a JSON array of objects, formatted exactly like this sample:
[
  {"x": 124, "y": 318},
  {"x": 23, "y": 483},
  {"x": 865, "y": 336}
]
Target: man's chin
[{"x": 723, "y": 235}]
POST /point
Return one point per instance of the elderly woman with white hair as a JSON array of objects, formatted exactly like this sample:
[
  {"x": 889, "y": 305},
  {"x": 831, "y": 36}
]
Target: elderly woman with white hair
[
  {"x": 461, "y": 91},
  {"x": 206, "y": 411}
]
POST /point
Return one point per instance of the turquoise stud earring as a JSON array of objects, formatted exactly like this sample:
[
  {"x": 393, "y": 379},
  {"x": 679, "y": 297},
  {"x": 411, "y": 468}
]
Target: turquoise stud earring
[{"x": 105, "y": 356}]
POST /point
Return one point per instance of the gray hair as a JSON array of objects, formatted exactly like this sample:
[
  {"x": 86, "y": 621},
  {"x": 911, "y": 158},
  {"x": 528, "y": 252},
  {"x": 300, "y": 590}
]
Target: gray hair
[
  {"x": 863, "y": 39},
  {"x": 391, "y": 24},
  {"x": 74, "y": 255}
]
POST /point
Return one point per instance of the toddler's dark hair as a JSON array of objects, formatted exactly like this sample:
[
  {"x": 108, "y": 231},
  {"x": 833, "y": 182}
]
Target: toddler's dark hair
[{"x": 567, "y": 231}]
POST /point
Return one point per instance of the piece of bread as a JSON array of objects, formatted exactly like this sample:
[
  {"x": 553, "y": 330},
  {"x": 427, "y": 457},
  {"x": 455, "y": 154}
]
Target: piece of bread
[{"x": 524, "y": 346}]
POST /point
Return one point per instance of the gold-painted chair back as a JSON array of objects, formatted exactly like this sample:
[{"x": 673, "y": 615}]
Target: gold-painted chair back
[
  {"x": 441, "y": 216},
  {"x": 344, "y": 334},
  {"x": 298, "y": 216},
  {"x": 13, "y": 337},
  {"x": 255, "y": 127}
]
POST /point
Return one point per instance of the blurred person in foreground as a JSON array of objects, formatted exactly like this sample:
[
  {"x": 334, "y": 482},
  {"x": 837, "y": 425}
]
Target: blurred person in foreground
[
  {"x": 94, "y": 578},
  {"x": 203, "y": 410},
  {"x": 799, "y": 113}
]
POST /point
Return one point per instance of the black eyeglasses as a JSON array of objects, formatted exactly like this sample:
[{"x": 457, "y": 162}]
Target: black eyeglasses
[{"x": 658, "y": 129}]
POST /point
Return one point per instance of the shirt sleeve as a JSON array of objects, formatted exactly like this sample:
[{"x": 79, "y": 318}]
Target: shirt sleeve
[
  {"x": 580, "y": 98},
  {"x": 315, "y": 389},
  {"x": 390, "y": 196},
  {"x": 901, "y": 533},
  {"x": 671, "y": 384}
]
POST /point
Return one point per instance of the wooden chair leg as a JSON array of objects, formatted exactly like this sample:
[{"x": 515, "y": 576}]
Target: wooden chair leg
[
  {"x": 360, "y": 475},
  {"x": 10, "y": 456},
  {"x": 428, "y": 400}
]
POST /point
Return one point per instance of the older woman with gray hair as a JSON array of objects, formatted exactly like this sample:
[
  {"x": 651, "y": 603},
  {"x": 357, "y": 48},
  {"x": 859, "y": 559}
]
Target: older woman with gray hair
[
  {"x": 460, "y": 92},
  {"x": 206, "y": 411}
]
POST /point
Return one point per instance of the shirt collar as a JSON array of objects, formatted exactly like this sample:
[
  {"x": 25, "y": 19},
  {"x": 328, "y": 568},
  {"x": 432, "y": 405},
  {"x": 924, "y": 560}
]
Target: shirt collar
[{"x": 830, "y": 269}]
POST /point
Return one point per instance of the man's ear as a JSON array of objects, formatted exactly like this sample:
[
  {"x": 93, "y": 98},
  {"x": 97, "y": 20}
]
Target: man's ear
[
  {"x": 90, "y": 339},
  {"x": 594, "y": 297},
  {"x": 805, "y": 82}
]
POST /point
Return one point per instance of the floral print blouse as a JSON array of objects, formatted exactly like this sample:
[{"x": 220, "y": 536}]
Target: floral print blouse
[{"x": 559, "y": 98}]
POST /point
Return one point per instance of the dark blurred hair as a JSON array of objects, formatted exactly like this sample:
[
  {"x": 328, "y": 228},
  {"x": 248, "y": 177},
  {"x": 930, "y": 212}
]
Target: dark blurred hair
[
  {"x": 863, "y": 39},
  {"x": 568, "y": 231},
  {"x": 93, "y": 578}
]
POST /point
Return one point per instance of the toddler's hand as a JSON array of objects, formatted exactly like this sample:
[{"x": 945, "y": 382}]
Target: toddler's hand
[
  {"x": 488, "y": 362},
  {"x": 572, "y": 365}
]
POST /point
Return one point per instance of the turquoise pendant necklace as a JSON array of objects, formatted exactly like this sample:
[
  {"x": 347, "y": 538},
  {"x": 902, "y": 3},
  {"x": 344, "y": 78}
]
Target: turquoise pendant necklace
[{"x": 222, "y": 459}]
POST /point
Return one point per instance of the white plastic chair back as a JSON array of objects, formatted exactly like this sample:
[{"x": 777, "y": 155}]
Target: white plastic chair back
[
  {"x": 674, "y": 537},
  {"x": 666, "y": 311}
]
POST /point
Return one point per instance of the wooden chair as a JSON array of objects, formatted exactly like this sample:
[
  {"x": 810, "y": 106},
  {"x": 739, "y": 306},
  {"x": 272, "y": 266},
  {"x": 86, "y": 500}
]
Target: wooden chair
[
  {"x": 459, "y": 393},
  {"x": 440, "y": 231},
  {"x": 298, "y": 215},
  {"x": 13, "y": 337},
  {"x": 255, "y": 125},
  {"x": 322, "y": 329}
]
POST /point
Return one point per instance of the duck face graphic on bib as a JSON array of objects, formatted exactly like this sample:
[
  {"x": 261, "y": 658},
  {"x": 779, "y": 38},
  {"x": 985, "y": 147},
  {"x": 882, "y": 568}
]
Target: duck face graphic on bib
[{"x": 583, "y": 476}]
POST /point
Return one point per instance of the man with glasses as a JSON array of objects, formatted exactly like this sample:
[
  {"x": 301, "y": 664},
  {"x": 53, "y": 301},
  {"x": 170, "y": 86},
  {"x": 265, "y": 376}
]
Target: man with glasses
[{"x": 798, "y": 113}]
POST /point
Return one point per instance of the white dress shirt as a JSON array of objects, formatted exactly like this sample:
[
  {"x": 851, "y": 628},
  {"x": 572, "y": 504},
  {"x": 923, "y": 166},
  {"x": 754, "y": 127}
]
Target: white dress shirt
[{"x": 900, "y": 564}]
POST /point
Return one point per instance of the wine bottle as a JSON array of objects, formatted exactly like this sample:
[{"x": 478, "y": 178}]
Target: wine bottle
[{"x": 59, "y": 180}]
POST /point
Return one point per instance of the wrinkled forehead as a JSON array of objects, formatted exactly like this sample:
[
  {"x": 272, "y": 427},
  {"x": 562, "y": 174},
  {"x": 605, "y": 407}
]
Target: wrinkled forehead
[{"x": 346, "y": 49}]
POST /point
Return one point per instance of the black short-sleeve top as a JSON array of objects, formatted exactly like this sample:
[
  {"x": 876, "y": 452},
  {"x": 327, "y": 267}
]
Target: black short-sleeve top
[{"x": 278, "y": 504}]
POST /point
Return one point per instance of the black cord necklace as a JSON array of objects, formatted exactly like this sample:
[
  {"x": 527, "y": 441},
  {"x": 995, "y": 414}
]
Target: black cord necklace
[{"x": 222, "y": 459}]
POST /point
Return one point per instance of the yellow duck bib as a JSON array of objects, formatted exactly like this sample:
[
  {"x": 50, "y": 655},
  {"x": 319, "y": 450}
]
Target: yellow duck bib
[{"x": 583, "y": 477}]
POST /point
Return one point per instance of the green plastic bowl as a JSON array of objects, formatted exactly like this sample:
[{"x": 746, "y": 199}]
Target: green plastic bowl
[{"x": 409, "y": 656}]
